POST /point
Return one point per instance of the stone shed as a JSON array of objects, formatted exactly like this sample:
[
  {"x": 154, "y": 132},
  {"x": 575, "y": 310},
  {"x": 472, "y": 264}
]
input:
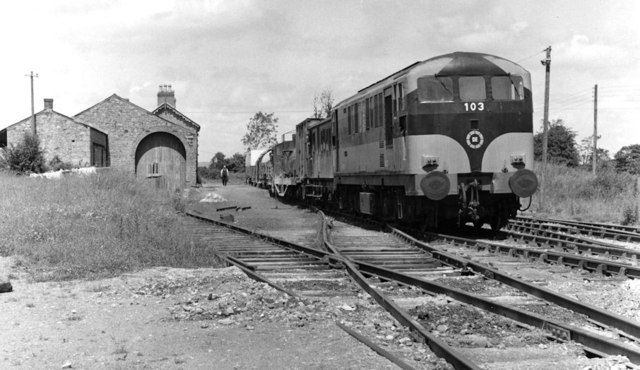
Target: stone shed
[
  {"x": 72, "y": 141},
  {"x": 161, "y": 146}
]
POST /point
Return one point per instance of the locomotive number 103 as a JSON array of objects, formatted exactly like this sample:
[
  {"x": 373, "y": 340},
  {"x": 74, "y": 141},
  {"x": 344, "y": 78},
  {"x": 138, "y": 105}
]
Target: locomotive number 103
[{"x": 472, "y": 107}]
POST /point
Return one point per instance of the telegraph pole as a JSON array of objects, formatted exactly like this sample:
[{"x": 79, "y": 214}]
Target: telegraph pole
[
  {"x": 545, "y": 120},
  {"x": 595, "y": 127},
  {"x": 31, "y": 75}
]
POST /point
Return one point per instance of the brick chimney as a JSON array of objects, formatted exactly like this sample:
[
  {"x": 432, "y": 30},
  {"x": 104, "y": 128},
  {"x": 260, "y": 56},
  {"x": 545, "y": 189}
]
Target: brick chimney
[
  {"x": 48, "y": 104},
  {"x": 166, "y": 95}
]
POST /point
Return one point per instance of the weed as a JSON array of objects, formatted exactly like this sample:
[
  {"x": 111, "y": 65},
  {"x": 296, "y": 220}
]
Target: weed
[
  {"x": 121, "y": 350},
  {"x": 575, "y": 193},
  {"x": 92, "y": 227},
  {"x": 630, "y": 215}
]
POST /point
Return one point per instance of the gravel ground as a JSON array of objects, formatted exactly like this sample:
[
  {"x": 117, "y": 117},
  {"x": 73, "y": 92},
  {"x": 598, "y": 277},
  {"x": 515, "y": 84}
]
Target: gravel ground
[{"x": 171, "y": 318}]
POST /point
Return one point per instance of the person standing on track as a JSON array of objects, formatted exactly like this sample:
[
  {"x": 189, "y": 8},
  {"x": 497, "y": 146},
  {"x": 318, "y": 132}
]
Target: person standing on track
[{"x": 224, "y": 174}]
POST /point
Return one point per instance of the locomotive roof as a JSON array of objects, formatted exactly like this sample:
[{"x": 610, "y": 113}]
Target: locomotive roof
[{"x": 458, "y": 63}]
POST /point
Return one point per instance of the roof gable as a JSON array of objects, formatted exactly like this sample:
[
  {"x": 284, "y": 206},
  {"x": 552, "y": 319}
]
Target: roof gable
[
  {"x": 164, "y": 107},
  {"x": 110, "y": 98},
  {"x": 51, "y": 111}
]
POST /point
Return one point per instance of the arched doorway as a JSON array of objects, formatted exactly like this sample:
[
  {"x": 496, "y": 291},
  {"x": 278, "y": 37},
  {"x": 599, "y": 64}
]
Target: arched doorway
[{"x": 161, "y": 157}]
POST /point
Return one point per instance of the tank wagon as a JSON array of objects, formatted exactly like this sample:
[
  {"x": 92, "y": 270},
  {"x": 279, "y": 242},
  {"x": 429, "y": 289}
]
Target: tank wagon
[{"x": 445, "y": 141}]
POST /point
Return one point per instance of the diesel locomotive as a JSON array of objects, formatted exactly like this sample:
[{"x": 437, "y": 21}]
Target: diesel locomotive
[{"x": 442, "y": 142}]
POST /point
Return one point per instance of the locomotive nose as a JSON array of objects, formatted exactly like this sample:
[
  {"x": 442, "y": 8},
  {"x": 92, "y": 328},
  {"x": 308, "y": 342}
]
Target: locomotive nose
[
  {"x": 435, "y": 185},
  {"x": 523, "y": 183}
]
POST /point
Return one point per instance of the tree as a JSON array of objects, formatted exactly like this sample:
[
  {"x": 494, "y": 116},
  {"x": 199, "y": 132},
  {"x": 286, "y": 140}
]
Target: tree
[
  {"x": 261, "y": 131},
  {"x": 217, "y": 161},
  {"x": 585, "y": 150},
  {"x": 561, "y": 147},
  {"x": 236, "y": 163},
  {"x": 627, "y": 159},
  {"x": 323, "y": 104}
]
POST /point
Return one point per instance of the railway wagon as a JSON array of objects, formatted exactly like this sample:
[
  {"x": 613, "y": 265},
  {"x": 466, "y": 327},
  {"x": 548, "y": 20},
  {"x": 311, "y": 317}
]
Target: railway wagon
[
  {"x": 258, "y": 167},
  {"x": 285, "y": 169},
  {"x": 448, "y": 140}
]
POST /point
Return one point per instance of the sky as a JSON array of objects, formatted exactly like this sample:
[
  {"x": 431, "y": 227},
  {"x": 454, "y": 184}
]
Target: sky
[{"x": 227, "y": 60}]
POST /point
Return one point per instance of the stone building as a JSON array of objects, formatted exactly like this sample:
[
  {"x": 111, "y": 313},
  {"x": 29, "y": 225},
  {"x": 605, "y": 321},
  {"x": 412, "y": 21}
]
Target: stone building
[
  {"x": 160, "y": 146},
  {"x": 72, "y": 141}
]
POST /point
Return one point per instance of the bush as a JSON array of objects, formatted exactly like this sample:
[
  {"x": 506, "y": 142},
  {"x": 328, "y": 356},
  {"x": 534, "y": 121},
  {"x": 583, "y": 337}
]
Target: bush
[
  {"x": 27, "y": 156},
  {"x": 56, "y": 164},
  {"x": 207, "y": 173}
]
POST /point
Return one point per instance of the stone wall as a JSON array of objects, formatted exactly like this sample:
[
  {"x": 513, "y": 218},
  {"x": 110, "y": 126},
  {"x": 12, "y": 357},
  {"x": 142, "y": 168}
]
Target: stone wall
[
  {"x": 59, "y": 135},
  {"x": 127, "y": 124}
]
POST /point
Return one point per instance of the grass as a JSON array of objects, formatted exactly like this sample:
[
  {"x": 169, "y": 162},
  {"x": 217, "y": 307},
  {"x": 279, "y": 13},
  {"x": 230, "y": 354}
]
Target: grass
[
  {"x": 92, "y": 227},
  {"x": 575, "y": 193}
]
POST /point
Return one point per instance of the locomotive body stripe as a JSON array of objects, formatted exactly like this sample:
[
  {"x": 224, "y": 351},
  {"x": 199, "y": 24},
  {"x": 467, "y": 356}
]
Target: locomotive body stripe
[
  {"x": 450, "y": 119},
  {"x": 452, "y": 157},
  {"x": 498, "y": 153}
]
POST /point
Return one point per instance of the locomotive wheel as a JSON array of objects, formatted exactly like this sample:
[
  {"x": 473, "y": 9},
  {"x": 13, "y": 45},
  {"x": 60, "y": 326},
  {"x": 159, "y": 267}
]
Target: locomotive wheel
[
  {"x": 496, "y": 223},
  {"x": 478, "y": 224}
]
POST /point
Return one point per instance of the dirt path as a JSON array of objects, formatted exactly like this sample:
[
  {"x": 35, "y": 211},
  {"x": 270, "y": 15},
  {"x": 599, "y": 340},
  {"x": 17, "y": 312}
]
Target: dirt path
[{"x": 131, "y": 321}]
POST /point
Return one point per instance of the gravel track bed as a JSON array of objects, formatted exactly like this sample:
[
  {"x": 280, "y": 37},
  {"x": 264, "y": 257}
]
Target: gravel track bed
[{"x": 469, "y": 329}]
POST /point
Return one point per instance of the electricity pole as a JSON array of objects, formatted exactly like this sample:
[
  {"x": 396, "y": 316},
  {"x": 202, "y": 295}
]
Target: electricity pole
[
  {"x": 33, "y": 115},
  {"x": 595, "y": 127},
  {"x": 545, "y": 120}
]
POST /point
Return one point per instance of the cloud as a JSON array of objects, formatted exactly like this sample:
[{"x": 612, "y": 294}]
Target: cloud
[
  {"x": 581, "y": 52},
  {"x": 519, "y": 26}
]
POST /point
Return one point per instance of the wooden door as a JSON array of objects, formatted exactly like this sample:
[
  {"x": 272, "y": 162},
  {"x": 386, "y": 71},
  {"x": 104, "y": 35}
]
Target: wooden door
[{"x": 161, "y": 158}]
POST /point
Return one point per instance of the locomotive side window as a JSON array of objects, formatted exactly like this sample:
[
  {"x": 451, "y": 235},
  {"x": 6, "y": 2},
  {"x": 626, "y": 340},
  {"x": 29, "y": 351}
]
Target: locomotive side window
[
  {"x": 375, "y": 110},
  {"x": 367, "y": 116},
  {"x": 435, "y": 89},
  {"x": 356, "y": 113},
  {"x": 472, "y": 88},
  {"x": 379, "y": 110},
  {"x": 507, "y": 88}
]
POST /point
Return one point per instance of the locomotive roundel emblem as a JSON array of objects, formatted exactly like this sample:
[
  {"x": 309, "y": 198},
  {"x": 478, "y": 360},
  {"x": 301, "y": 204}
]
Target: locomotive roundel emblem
[{"x": 475, "y": 139}]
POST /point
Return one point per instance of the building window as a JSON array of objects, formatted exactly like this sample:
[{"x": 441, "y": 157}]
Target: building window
[{"x": 153, "y": 170}]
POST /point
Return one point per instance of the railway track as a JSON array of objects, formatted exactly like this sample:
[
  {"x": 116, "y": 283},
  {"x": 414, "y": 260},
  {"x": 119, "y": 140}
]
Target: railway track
[
  {"x": 534, "y": 244},
  {"x": 589, "y": 229},
  {"x": 391, "y": 260}
]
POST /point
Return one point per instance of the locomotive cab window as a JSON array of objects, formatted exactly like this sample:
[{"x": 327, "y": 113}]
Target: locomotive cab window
[
  {"x": 472, "y": 88},
  {"x": 507, "y": 88},
  {"x": 432, "y": 89}
]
